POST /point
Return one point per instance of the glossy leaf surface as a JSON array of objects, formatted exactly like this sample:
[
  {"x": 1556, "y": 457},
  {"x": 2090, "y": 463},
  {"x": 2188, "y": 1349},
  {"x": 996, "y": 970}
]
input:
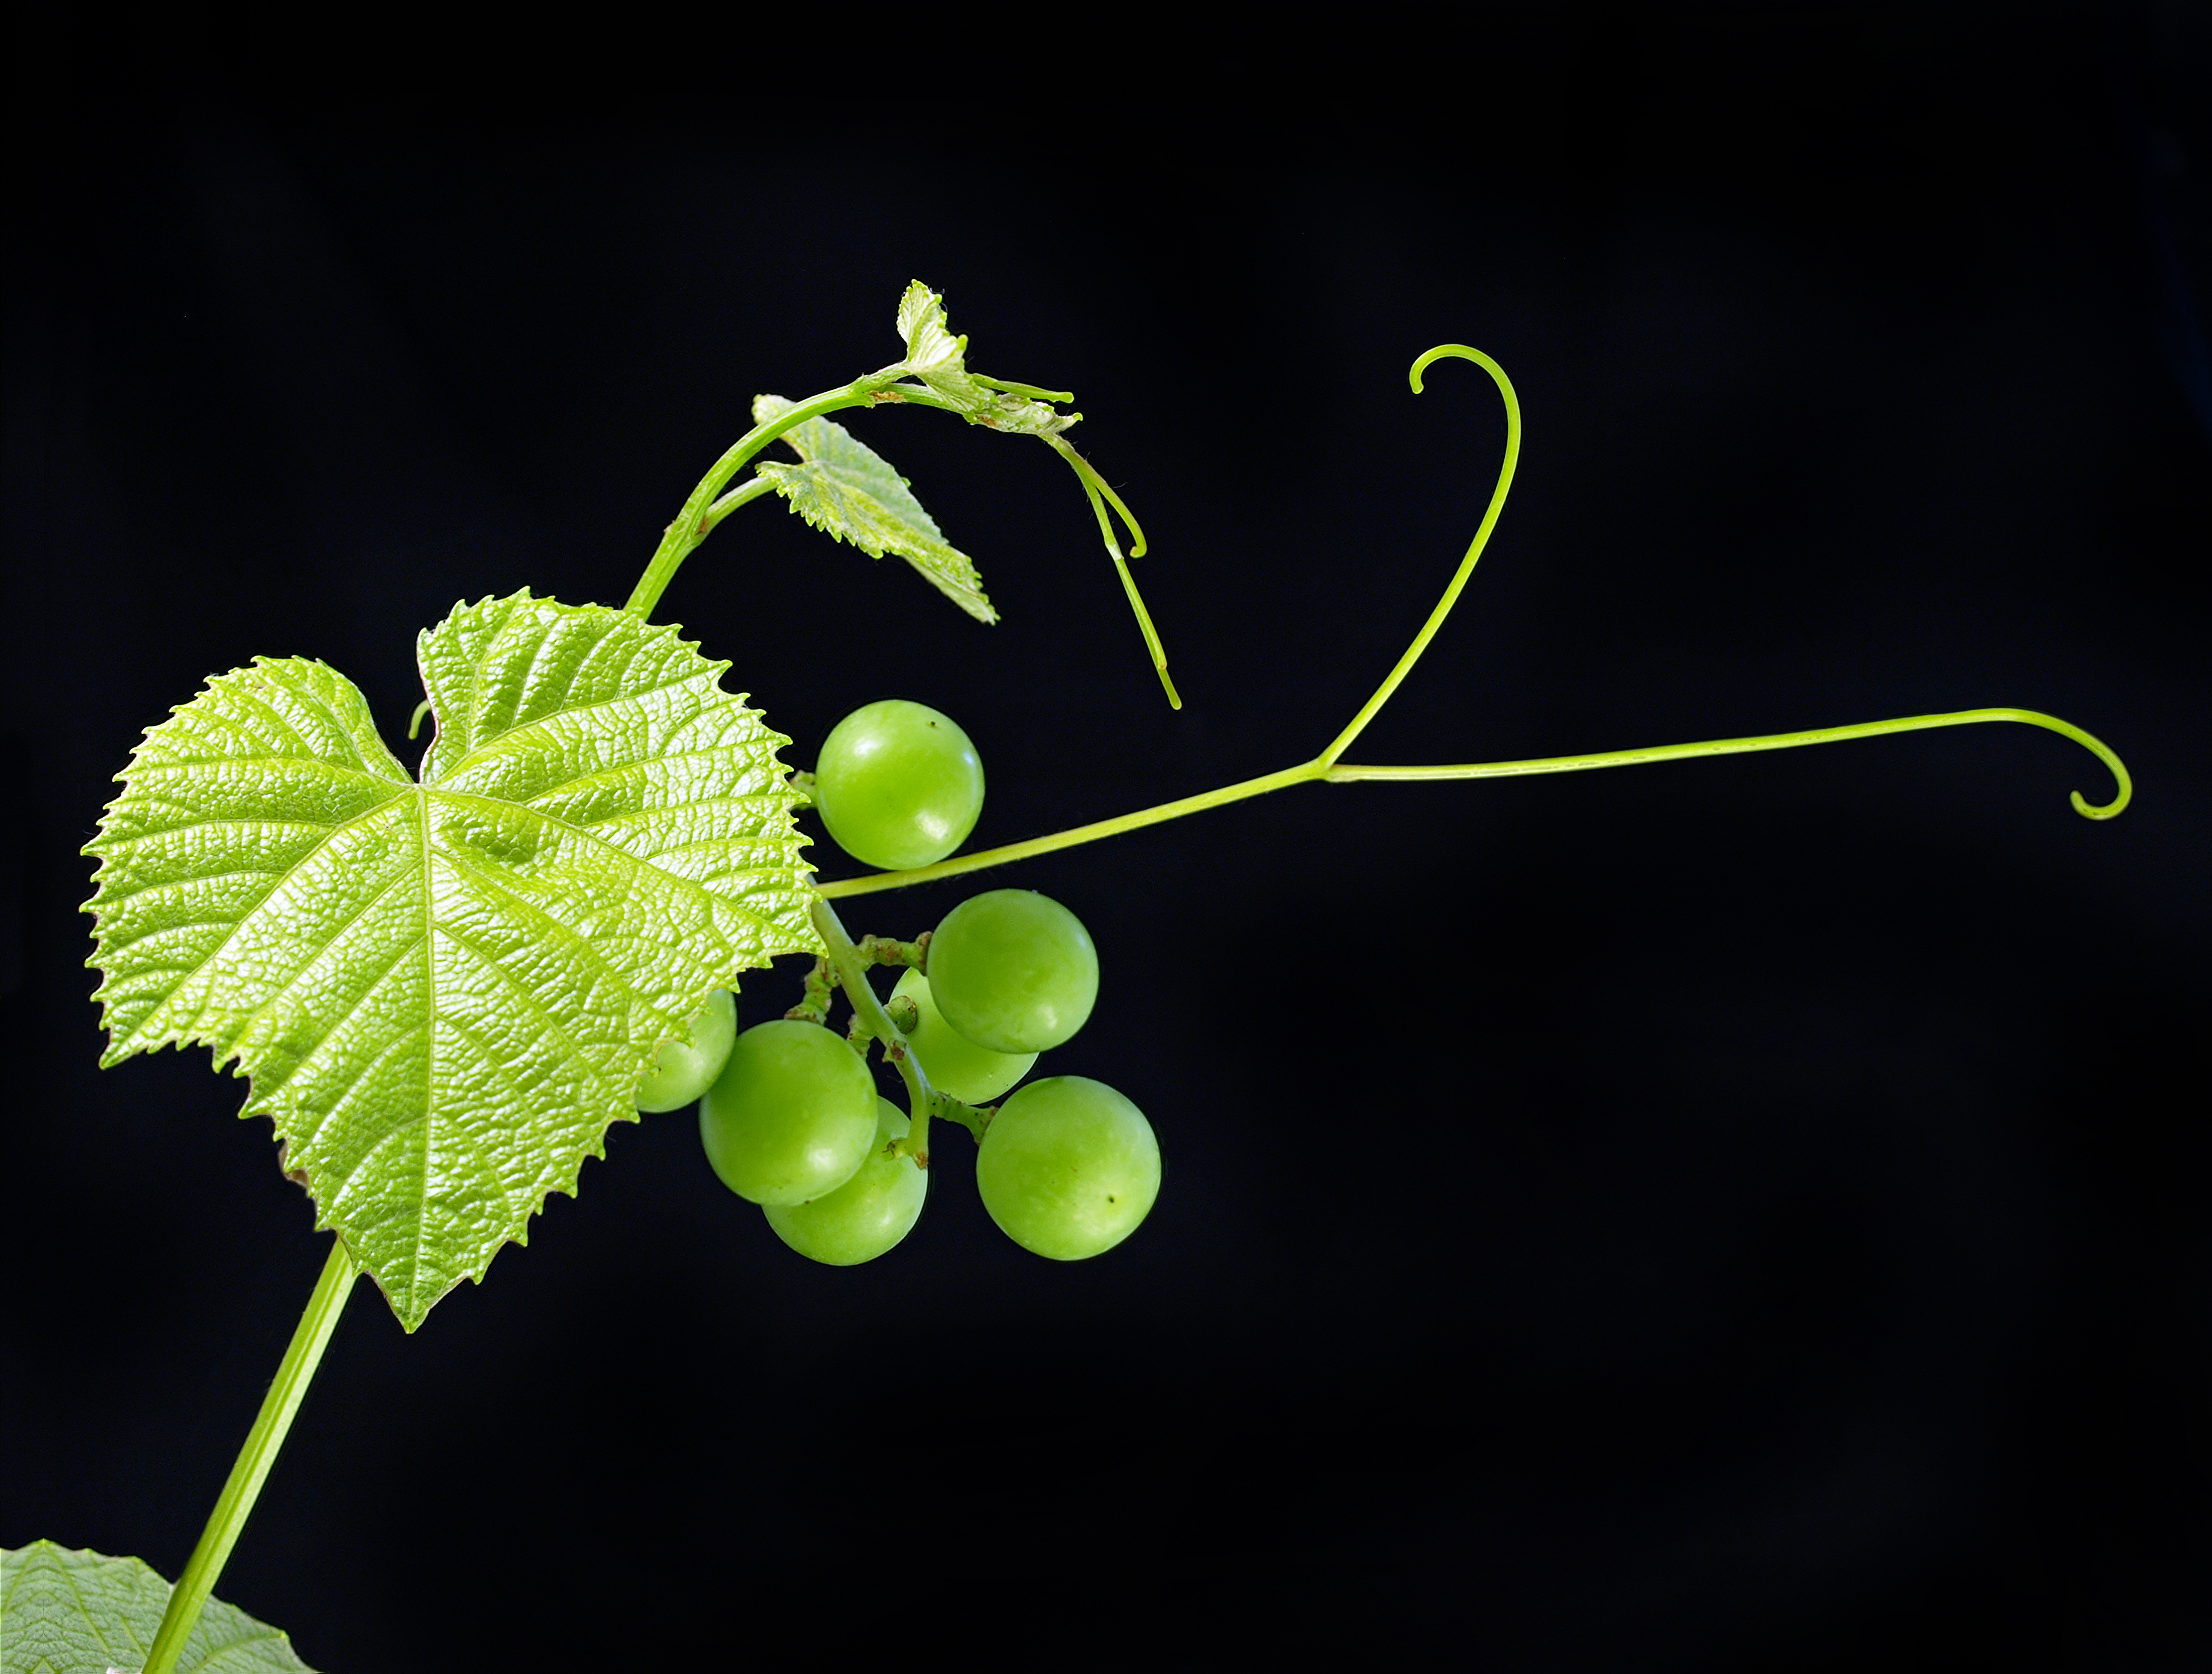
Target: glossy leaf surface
[{"x": 445, "y": 989}]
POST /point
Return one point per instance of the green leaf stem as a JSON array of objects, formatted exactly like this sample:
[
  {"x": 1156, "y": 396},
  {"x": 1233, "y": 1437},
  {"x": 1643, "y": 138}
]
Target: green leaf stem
[
  {"x": 64, "y": 1612},
  {"x": 848, "y": 492},
  {"x": 445, "y": 989}
]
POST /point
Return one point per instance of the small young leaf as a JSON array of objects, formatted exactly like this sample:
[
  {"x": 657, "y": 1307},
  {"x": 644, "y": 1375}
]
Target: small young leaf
[
  {"x": 938, "y": 359},
  {"x": 931, "y": 350},
  {"x": 64, "y": 1612},
  {"x": 851, "y": 493},
  {"x": 444, "y": 990}
]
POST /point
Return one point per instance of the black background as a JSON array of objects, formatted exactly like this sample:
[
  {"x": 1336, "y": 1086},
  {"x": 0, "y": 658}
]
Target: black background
[{"x": 1737, "y": 1213}]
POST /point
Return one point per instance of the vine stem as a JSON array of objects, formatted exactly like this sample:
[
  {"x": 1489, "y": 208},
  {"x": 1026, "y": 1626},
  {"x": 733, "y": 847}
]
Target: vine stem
[
  {"x": 703, "y": 511},
  {"x": 252, "y": 1467},
  {"x": 1072, "y": 838},
  {"x": 1350, "y": 772}
]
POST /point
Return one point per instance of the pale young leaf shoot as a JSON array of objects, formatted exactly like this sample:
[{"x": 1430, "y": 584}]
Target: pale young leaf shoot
[{"x": 938, "y": 359}]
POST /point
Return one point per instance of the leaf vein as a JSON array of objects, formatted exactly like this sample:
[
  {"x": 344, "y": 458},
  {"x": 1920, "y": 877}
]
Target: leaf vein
[
  {"x": 507, "y": 738},
  {"x": 245, "y": 916},
  {"x": 336, "y": 1102},
  {"x": 521, "y": 904}
]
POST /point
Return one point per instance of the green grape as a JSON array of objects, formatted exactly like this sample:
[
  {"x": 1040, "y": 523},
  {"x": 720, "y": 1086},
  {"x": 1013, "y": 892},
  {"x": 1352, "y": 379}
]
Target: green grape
[
  {"x": 898, "y": 784},
  {"x": 1068, "y": 1167},
  {"x": 682, "y": 1070},
  {"x": 954, "y": 1065},
  {"x": 1013, "y": 971},
  {"x": 866, "y": 1215},
  {"x": 791, "y": 1117}
]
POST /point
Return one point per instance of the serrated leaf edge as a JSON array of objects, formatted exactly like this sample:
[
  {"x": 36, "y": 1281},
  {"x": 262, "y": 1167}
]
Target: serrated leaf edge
[
  {"x": 270, "y": 1105},
  {"x": 929, "y": 544}
]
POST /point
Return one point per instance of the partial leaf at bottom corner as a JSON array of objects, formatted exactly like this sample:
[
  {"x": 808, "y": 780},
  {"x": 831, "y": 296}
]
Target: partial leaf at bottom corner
[{"x": 64, "y": 1612}]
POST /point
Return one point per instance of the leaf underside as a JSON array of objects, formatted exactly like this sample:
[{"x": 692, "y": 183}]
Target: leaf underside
[
  {"x": 850, "y": 492},
  {"x": 64, "y": 1612},
  {"x": 444, "y": 989}
]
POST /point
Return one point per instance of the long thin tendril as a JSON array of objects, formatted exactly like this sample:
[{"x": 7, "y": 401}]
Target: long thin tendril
[
  {"x": 1326, "y": 766},
  {"x": 1030, "y": 391},
  {"x": 1345, "y": 772},
  {"x": 1456, "y": 352},
  {"x": 1101, "y": 493}
]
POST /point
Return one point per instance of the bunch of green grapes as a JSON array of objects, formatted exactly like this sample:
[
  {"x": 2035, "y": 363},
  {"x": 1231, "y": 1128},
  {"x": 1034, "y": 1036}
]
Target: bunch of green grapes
[{"x": 788, "y": 1110}]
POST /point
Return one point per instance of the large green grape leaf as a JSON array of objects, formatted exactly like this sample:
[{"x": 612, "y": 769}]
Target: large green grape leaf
[
  {"x": 850, "y": 492},
  {"x": 444, "y": 990},
  {"x": 940, "y": 360},
  {"x": 64, "y": 1612}
]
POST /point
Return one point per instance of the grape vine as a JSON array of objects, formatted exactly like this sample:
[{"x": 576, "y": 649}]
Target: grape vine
[{"x": 444, "y": 987}]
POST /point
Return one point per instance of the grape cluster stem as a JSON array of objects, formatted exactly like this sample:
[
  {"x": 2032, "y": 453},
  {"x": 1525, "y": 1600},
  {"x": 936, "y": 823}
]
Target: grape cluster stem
[
  {"x": 814, "y": 1004},
  {"x": 846, "y": 964},
  {"x": 869, "y": 1017}
]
